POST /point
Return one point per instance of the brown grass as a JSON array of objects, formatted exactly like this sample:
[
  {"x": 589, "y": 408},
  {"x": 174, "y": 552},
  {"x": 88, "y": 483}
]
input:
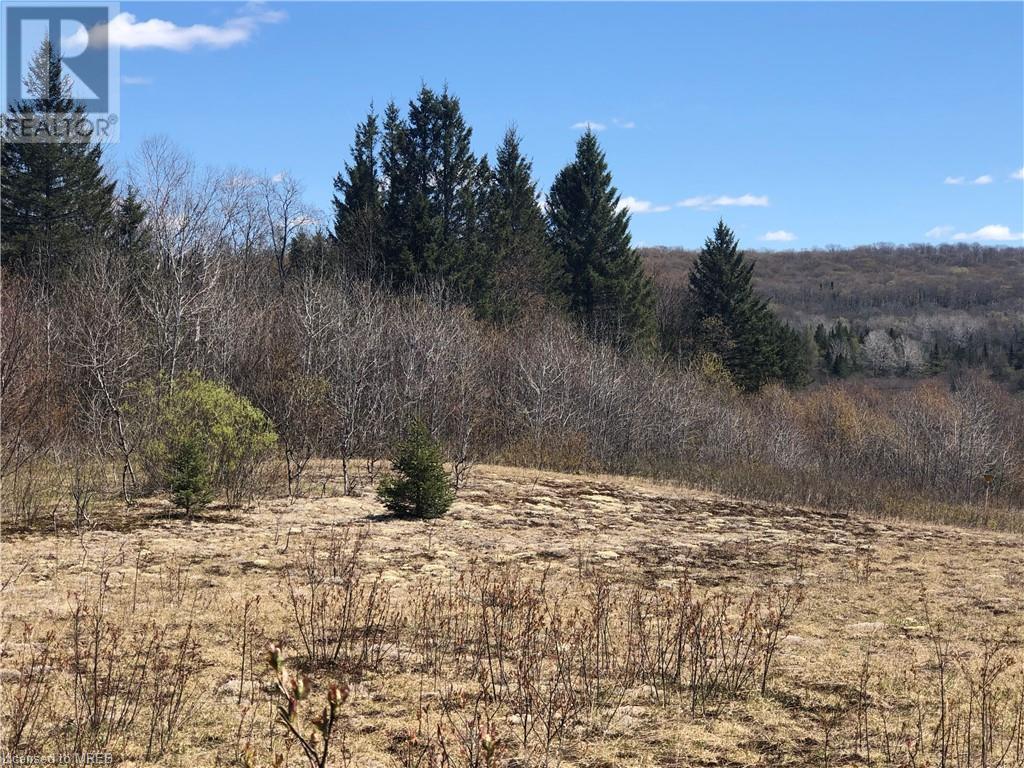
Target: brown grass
[{"x": 549, "y": 620}]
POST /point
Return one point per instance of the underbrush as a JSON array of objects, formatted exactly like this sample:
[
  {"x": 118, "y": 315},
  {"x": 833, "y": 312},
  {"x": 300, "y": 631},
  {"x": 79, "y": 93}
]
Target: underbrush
[
  {"x": 494, "y": 665},
  {"x": 47, "y": 497},
  {"x": 120, "y": 674}
]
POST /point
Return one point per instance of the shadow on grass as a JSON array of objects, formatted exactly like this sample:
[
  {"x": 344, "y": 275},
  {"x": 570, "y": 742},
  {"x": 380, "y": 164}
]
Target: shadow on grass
[{"x": 145, "y": 513}]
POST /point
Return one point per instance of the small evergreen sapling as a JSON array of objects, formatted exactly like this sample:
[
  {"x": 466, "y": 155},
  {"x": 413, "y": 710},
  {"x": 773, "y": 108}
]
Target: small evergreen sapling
[
  {"x": 190, "y": 478},
  {"x": 418, "y": 486}
]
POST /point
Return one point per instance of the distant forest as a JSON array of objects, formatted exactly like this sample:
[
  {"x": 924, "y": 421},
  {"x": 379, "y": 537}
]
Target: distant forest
[{"x": 883, "y": 309}]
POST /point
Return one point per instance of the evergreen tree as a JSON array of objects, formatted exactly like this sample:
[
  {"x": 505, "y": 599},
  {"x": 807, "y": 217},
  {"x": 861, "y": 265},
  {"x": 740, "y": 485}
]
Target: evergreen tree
[
  {"x": 472, "y": 271},
  {"x": 457, "y": 180},
  {"x": 412, "y": 229},
  {"x": 433, "y": 184},
  {"x": 598, "y": 271},
  {"x": 419, "y": 485},
  {"x": 732, "y": 321},
  {"x": 131, "y": 236},
  {"x": 515, "y": 236},
  {"x": 357, "y": 204},
  {"x": 312, "y": 254},
  {"x": 190, "y": 483},
  {"x": 55, "y": 196},
  {"x": 797, "y": 354},
  {"x": 399, "y": 192},
  {"x": 130, "y": 231},
  {"x": 839, "y": 348}
]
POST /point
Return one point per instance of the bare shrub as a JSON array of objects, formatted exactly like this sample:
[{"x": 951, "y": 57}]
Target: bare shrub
[
  {"x": 961, "y": 707},
  {"x": 133, "y": 680},
  {"x": 343, "y": 615},
  {"x": 26, "y": 695},
  {"x": 315, "y": 743}
]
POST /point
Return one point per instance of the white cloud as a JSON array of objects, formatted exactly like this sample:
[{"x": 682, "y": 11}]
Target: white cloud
[
  {"x": 693, "y": 202},
  {"x": 136, "y": 80},
  {"x": 707, "y": 202},
  {"x": 993, "y": 233},
  {"x": 633, "y": 205},
  {"x": 958, "y": 180},
  {"x": 778, "y": 236},
  {"x": 940, "y": 232},
  {"x": 126, "y": 31},
  {"x": 743, "y": 200},
  {"x": 1018, "y": 174},
  {"x": 593, "y": 125}
]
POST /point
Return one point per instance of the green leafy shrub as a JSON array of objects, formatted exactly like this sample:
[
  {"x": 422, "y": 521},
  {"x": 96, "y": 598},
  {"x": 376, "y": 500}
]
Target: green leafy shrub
[
  {"x": 211, "y": 431},
  {"x": 418, "y": 485},
  {"x": 190, "y": 480}
]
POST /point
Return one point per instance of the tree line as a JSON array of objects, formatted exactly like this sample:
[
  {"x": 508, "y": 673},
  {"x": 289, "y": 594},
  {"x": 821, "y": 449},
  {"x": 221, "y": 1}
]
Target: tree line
[
  {"x": 532, "y": 354},
  {"x": 414, "y": 206}
]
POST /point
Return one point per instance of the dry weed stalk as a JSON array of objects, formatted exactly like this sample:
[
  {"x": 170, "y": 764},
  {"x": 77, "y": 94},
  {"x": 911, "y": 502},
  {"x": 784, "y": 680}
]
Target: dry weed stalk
[
  {"x": 110, "y": 677},
  {"x": 960, "y": 706},
  {"x": 342, "y": 615}
]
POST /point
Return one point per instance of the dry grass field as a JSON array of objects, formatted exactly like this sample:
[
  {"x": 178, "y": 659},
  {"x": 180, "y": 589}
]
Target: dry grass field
[{"x": 548, "y": 620}]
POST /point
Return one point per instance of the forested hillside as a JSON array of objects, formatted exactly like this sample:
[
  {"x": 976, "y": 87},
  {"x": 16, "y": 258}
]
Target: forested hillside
[{"x": 886, "y": 310}]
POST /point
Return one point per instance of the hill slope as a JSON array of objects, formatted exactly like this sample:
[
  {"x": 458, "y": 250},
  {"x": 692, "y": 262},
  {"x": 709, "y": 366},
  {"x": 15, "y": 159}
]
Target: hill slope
[{"x": 852, "y": 668}]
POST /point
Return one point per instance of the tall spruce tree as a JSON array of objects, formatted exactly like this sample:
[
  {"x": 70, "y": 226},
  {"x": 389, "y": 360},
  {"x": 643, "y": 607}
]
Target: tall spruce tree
[
  {"x": 515, "y": 236},
  {"x": 357, "y": 204},
  {"x": 732, "y": 321},
  {"x": 454, "y": 169},
  {"x": 132, "y": 236},
  {"x": 472, "y": 272},
  {"x": 598, "y": 271},
  {"x": 399, "y": 201},
  {"x": 55, "y": 196},
  {"x": 433, "y": 189}
]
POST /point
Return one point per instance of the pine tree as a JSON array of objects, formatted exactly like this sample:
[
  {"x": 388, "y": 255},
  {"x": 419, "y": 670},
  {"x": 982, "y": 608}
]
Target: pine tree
[
  {"x": 796, "y": 353},
  {"x": 472, "y": 272},
  {"x": 598, "y": 271},
  {"x": 732, "y": 321},
  {"x": 515, "y": 236},
  {"x": 357, "y": 204},
  {"x": 398, "y": 199},
  {"x": 433, "y": 180},
  {"x": 456, "y": 174},
  {"x": 131, "y": 236},
  {"x": 56, "y": 198},
  {"x": 839, "y": 349},
  {"x": 190, "y": 482},
  {"x": 312, "y": 254},
  {"x": 412, "y": 228},
  {"x": 419, "y": 485}
]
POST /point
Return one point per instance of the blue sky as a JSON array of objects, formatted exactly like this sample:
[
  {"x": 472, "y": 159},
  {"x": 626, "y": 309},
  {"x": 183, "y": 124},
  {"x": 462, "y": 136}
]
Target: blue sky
[{"x": 801, "y": 124}]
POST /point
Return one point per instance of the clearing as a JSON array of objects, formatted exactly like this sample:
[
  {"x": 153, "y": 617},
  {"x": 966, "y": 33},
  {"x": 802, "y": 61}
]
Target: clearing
[{"x": 886, "y": 606}]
